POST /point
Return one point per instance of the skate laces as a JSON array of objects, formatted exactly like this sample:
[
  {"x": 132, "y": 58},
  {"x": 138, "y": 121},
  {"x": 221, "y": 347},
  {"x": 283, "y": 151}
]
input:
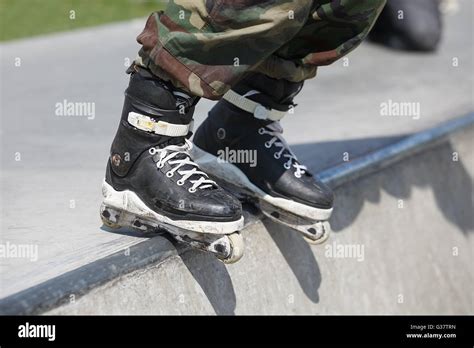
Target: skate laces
[
  {"x": 275, "y": 130},
  {"x": 178, "y": 156}
]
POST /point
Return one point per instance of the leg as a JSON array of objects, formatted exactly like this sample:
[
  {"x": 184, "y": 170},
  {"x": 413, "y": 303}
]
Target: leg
[
  {"x": 333, "y": 29},
  {"x": 194, "y": 48},
  {"x": 246, "y": 120},
  {"x": 151, "y": 182},
  {"x": 204, "y": 47}
]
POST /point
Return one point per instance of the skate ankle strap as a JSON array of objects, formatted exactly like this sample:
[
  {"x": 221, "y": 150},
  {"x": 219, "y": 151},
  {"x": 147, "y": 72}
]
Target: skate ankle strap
[
  {"x": 256, "y": 109},
  {"x": 147, "y": 124}
]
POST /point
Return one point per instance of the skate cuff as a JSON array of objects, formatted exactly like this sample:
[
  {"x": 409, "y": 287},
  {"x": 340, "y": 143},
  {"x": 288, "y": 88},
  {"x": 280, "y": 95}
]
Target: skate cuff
[
  {"x": 256, "y": 109},
  {"x": 147, "y": 124}
]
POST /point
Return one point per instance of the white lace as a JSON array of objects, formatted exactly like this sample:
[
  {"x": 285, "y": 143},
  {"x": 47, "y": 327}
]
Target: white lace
[
  {"x": 171, "y": 151},
  {"x": 275, "y": 130}
]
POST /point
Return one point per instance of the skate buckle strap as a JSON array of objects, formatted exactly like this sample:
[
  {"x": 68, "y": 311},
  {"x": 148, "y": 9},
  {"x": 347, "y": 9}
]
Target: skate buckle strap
[
  {"x": 148, "y": 124},
  {"x": 258, "y": 110}
]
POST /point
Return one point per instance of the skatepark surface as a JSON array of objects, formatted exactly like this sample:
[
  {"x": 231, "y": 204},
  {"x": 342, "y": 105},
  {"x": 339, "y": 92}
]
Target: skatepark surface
[{"x": 413, "y": 220}]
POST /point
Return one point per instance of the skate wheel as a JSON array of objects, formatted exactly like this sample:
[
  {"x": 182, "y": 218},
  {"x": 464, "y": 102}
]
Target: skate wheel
[
  {"x": 237, "y": 248},
  {"x": 106, "y": 214},
  {"x": 109, "y": 223},
  {"x": 325, "y": 228}
]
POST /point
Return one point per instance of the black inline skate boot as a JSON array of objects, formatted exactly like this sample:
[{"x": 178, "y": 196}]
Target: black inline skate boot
[
  {"x": 151, "y": 181},
  {"x": 241, "y": 145}
]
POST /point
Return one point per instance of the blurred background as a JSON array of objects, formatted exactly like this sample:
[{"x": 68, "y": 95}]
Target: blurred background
[{"x": 26, "y": 18}]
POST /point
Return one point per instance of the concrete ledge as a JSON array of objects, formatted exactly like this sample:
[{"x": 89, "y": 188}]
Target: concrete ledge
[
  {"x": 74, "y": 284},
  {"x": 55, "y": 293},
  {"x": 388, "y": 155}
]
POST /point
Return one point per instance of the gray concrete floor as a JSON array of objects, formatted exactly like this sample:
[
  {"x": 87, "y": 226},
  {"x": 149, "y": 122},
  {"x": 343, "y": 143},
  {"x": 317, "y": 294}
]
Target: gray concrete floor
[{"x": 50, "y": 197}]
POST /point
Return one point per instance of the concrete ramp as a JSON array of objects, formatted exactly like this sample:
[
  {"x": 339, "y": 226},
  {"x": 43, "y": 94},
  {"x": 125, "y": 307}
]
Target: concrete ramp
[
  {"x": 403, "y": 223},
  {"x": 402, "y": 244}
]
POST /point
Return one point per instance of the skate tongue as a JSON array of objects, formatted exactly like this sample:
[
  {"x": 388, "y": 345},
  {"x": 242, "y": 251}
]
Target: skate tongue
[
  {"x": 275, "y": 127},
  {"x": 277, "y": 130},
  {"x": 178, "y": 141},
  {"x": 181, "y": 153}
]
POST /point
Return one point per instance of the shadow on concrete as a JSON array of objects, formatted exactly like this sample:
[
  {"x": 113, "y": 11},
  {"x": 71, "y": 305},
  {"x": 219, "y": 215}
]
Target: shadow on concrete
[
  {"x": 318, "y": 156},
  {"x": 434, "y": 169},
  {"x": 213, "y": 278},
  {"x": 210, "y": 273},
  {"x": 299, "y": 256}
]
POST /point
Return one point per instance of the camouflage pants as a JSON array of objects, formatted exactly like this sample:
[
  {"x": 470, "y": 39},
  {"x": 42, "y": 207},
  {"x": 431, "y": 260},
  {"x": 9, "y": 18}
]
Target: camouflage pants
[{"x": 206, "y": 46}]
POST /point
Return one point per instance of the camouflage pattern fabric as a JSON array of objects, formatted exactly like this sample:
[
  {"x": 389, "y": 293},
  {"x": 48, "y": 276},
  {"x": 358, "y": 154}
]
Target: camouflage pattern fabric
[{"x": 206, "y": 46}]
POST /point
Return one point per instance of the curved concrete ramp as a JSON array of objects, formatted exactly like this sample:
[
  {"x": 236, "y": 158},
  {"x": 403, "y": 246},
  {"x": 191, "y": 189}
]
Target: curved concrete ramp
[{"x": 402, "y": 244}]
